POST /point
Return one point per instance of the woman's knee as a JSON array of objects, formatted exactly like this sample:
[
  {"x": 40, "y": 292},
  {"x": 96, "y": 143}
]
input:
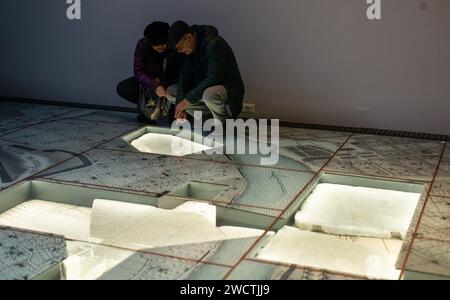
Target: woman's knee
[
  {"x": 128, "y": 90},
  {"x": 120, "y": 88}
]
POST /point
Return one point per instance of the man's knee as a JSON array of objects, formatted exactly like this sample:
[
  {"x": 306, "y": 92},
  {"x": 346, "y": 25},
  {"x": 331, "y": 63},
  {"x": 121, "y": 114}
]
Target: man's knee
[{"x": 215, "y": 93}]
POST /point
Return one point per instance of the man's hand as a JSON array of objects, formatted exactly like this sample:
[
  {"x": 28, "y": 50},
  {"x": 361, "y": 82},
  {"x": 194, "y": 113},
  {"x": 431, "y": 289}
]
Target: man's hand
[
  {"x": 160, "y": 91},
  {"x": 180, "y": 109},
  {"x": 182, "y": 119}
]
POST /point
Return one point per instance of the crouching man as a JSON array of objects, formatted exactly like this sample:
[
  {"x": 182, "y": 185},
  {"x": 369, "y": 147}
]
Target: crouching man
[{"x": 209, "y": 80}]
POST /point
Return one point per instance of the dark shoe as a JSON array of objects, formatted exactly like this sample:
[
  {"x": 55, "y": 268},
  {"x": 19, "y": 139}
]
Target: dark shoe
[{"x": 144, "y": 120}]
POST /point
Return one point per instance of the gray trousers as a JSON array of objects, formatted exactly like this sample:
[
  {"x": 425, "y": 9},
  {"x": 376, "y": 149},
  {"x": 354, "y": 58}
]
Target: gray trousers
[{"x": 212, "y": 104}]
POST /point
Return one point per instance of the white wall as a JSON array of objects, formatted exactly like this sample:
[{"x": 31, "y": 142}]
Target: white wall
[{"x": 309, "y": 61}]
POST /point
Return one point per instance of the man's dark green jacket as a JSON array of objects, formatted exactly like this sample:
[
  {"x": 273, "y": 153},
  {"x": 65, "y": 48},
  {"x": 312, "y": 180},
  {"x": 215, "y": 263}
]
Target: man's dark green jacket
[{"x": 212, "y": 63}]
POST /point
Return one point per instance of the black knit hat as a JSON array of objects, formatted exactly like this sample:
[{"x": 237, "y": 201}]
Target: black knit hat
[
  {"x": 157, "y": 33},
  {"x": 176, "y": 32}
]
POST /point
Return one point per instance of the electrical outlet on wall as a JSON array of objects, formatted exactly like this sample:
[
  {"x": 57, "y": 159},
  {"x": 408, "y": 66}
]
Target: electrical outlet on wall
[{"x": 248, "y": 108}]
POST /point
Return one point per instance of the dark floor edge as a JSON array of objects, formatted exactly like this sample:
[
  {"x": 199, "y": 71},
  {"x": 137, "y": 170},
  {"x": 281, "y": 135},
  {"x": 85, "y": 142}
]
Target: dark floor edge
[
  {"x": 69, "y": 104},
  {"x": 385, "y": 132}
]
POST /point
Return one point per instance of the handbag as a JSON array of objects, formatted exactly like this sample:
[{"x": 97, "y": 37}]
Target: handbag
[{"x": 152, "y": 106}]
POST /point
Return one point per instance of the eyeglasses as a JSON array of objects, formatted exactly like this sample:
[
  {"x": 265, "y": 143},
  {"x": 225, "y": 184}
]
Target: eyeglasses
[{"x": 181, "y": 42}]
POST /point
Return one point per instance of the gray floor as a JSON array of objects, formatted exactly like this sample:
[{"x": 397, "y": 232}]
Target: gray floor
[{"x": 84, "y": 147}]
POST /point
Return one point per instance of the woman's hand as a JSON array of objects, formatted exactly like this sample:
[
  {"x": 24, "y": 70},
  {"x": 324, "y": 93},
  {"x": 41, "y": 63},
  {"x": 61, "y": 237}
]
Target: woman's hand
[{"x": 160, "y": 91}]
